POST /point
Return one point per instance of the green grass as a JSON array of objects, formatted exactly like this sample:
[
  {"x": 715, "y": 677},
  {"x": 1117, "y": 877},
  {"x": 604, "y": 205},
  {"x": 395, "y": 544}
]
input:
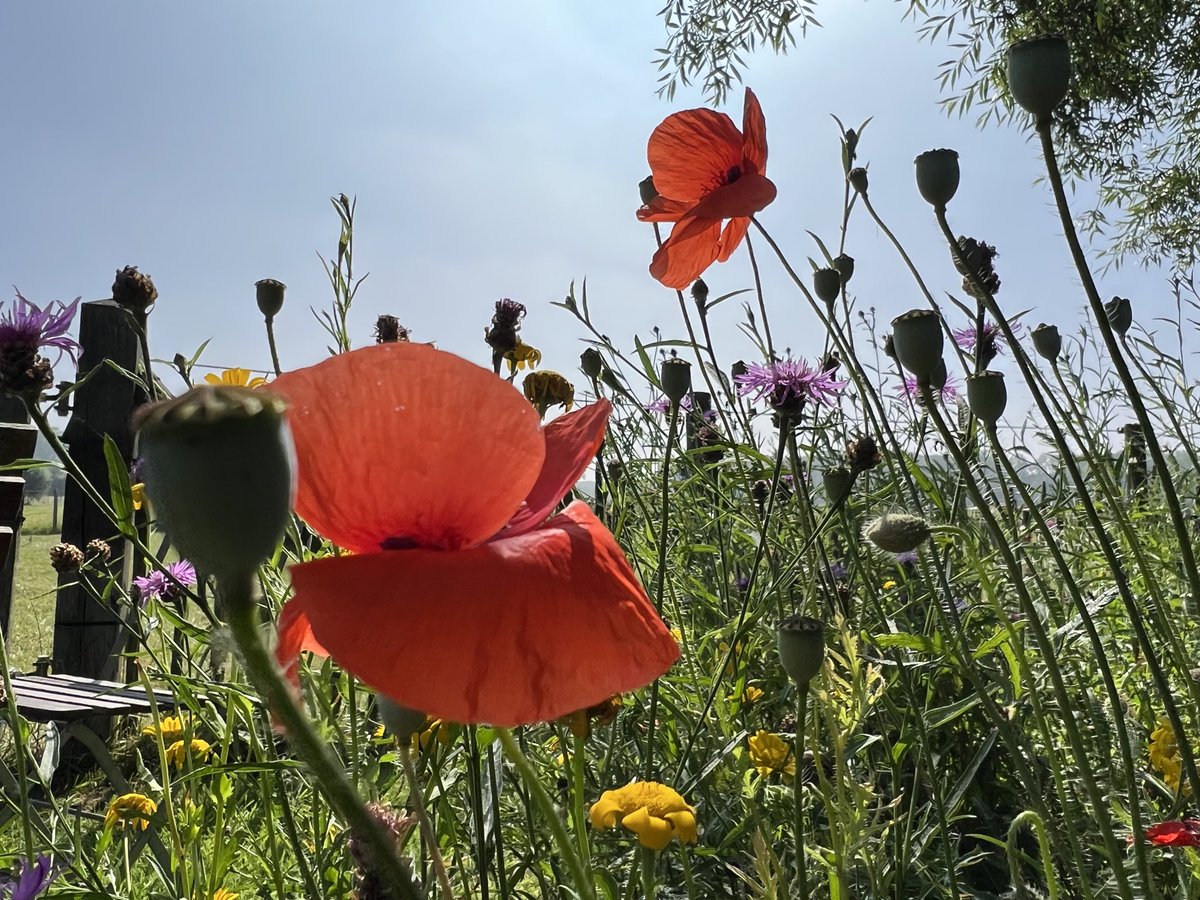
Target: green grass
[{"x": 31, "y": 626}]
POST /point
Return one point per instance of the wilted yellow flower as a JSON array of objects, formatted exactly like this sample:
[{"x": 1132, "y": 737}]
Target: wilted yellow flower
[
  {"x": 545, "y": 389},
  {"x": 178, "y": 752},
  {"x": 652, "y": 811},
  {"x": 170, "y": 729},
  {"x": 1164, "y": 753},
  {"x": 130, "y": 810},
  {"x": 236, "y": 377},
  {"x": 770, "y": 753},
  {"x": 521, "y": 356},
  {"x": 138, "y": 492}
]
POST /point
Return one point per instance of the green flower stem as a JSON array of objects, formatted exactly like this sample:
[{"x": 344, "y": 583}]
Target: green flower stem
[
  {"x": 263, "y": 674},
  {"x": 418, "y": 802},
  {"x": 685, "y": 860},
  {"x": 648, "y": 866},
  {"x": 580, "y": 875},
  {"x": 14, "y": 719},
  {"x": 577, "y": 789},
  {"x": 660, "y": 581},
  {"x": 1038, "y": 827},
  {"x": 270, "y": 321},
  {"x": 798, "y": 790}
]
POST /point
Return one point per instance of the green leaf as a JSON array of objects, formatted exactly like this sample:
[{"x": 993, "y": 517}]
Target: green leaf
[{"x": 119, "y": 488}]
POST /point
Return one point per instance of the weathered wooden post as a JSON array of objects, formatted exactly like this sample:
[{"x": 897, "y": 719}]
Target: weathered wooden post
[
  {"x": 87, "y": 631},
  {"x": 1134, "y": 459},
  {"x": 17, "y": 441}
]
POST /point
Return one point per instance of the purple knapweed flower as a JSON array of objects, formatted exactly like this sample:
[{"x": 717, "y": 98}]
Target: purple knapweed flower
[
  {"x": 788, "y": 383},
  {"x": 985, "y": 344},
  {"x": 32, "y": 879},
  {"x": 26, "y": 331},
  {"x": 945, "y": 393},
  {"x": 742, "y": 583},
  {"x": 839, "y": 571},
  {"x": 157, "y": 586},
  {"x": 663, "y": 404},
  {"x": 906, "y": 558}
]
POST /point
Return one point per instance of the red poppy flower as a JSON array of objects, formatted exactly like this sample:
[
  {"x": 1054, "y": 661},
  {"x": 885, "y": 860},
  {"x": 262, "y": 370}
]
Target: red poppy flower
[
  {"x": 705, "y": 171},
  {"x": 460, "y": 599},
  {"x": 1175, "y": 834}
]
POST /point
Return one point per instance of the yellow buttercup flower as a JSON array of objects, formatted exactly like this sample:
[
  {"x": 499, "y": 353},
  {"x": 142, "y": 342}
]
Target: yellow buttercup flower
[
  {"x": 170, "y": 729},
  {"x": 224, "y": 894},
  {"x": 888, "y": 585},
  {"x": 770, "y": 753},
  {"x": 652, "y": 811},
  {"x": 178, "y": 752},
  {"x": 1164, "y": 753},
  {"x": 546, "y": 389},
  {"x": 236, "y": 377},
  {"x": 752, "y": 694},
  {"x": 134, "y": 810},
  {"x": 521, "y": 356}
]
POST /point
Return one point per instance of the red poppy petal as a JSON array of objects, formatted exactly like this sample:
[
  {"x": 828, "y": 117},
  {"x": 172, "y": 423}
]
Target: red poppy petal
[
  {"x": 1175, "y": 834},
  {"x": 754, "y": 131},
  {"x": 571, "y": 444},
  {"x": 691, "y": 248},
  {"x": 744, "y": 197},
  {"x": 660, "y": 209},
  {"x": 519, "y": 630},
  {"x": 407, "y": 442},
  {"x": 294, "y": 635},
  {"x": 692, "y": 151},
  {"x": 731, "y": 237}
]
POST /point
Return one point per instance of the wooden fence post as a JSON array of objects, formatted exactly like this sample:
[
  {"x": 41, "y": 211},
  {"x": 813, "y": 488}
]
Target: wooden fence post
[
  {"x": 17, "y": 441},
  {"x": 86, "y": 630},
  {"x": 1134, "y": 459}
]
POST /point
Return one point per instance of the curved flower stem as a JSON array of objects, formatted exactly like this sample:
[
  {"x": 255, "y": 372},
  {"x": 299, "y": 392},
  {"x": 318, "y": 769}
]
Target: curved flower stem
[
  {"x": 577, "y": 788},
  {"x": 762, "y": 303},
  {"x": 798, "y": 789},
  {"x": 1038, "y": 827},
  {"x": 270, "y": 320},
  {"x": 661, "y": 580},
  {"x": 582, "y": 876},
  {"x": 418, "y": 802},
  {"x": 648, "y": 861},
  {"x": 260, "y": 667},
  {"x": 14, "y": 716}
]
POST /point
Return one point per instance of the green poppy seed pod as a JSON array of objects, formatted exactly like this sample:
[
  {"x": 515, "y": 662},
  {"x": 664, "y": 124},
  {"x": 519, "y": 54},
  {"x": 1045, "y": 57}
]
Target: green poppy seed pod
[
  {"x": 937, "y": 176},
  {"x": 700, "y": 292},
  {"x": 400, "y": 720},
  {"x": 676, "y": 378},
  {"x": 940, "y": 375},
  {"x": 838, "y": 483},
  {"x": 917, "y": 341},
  {"x": 1120, "y": 314},
  {"x": 858, "y": 179},
  {"x": 591, "y": 362},
  {"x": 827, "y": 283},
  {"x": 987, "y": 396},
  {"x": 218, "y": 465},
  {"x": 647, "y": 190},
  {"x": 801, "y": 641},
  {"x": 269, "y": 294},
  {"x": 1047, "y": 341},
  {"x": 897, "y": 532},
  {"x": 1039, "y": 73},
  {"x": 845, "y": 266}
]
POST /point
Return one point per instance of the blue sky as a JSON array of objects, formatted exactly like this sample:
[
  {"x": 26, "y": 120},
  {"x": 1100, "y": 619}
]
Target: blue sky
[{"x": 495, "y": 151}]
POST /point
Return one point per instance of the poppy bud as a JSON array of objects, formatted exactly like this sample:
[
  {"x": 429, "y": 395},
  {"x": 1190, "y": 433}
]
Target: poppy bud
[
  {"x": 987, "y": 396},
  {"x": 700, "y": 292},
  {"x": 937, "y": 176},
  {"x": 845, "y": 266},
  {"x": 838, "y": 483},
  {"x": 1120, "y": 314},
  {"x": 1047, "y": 341},
  {"x": 218, "y": 464},
  {"x": 828, "y": 284},
  {"x": 591, "y": 362},
  {"x": 134, "y": 290},
  {"x": 400, "y": 720},
  {"x": 676, "y": 377},
  {"x": 647, "y": 189},
  {"x": 917, "y": 340},
  {"x": 858, "y": 179},
  {"x": 1039, "y": 73},
  {"x": 897, "y": 532},
  {"x": 889, "y": 346},
  {"x": 801, "y": 641},
  {"x": 269, "y": 294}
]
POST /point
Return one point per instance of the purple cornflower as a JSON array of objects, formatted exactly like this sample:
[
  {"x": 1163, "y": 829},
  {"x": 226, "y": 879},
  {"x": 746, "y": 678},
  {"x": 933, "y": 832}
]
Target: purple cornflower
[
  {"x": 986, "y": 344},
  {"x": 663, "y": 404},
  {"x": 157, "y": 586},
  {"x": 907, "y": 558},
  {"x": 26, "y": 325},
  {"x": 32, "y": 880},
  {"x": 839, "y": 571},
  {"x": 788, "y": 383},
  {"x": 945, "y": 393}
]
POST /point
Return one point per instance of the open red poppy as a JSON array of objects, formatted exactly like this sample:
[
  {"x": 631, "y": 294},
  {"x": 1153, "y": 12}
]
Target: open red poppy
[
  {"x": 705, "y": 171},
  {"x": 1175, "y": 834},
  {"x": 460, "y": 599}
]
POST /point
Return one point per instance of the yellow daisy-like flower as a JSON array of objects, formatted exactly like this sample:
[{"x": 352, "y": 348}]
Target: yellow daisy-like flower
[
  {"x": 546, "y": 389},
  {"x": 236, "y": 377},
  {"x": 521, "y": 356},
  {"x": 1164, "y": 753},
  {"x": 652, "y": 811},
  {"x": 134, "y": 810},
  {"x": 224, "y": 894},
  {"x": 770, "y": 753},
  {"x": 888, "y": 585},
  {"x": 178, "y": 752},
  {"x": 170, "y": 729},
  {"x": 752, "y": 694}
]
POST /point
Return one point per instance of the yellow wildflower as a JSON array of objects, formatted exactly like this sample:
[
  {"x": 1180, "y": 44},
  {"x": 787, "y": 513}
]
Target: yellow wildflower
[
  {"x": 139, "y": 494},
  {"x": 677, "y": 635},
  {"x": 889, "y": 584},
  {"x": 770, "y": 753},
  {"x": 1164, "y": 753},
  {"x": 521, "y": 356},
  {"x": 546, "y": 389},
  {"x": 434, "y": 728},
  {"x": 752, "y": 694},
  {"x": 170, "y": 729},
  {"x": 652, "y": 811},
  {"x": 224, "y": 894},
  {"x": 130, "y": 809},
  {"x": 236, "y": 377},
  {"x": 178, "y": 752}
]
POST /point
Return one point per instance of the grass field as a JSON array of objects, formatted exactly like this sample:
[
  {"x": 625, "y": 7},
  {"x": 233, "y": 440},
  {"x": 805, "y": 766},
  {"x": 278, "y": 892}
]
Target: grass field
[{"x": 31, "y": 632}]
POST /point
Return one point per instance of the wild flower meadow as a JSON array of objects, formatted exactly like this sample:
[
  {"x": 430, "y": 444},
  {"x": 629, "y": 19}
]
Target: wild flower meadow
[{"x": 667, "y": 625}]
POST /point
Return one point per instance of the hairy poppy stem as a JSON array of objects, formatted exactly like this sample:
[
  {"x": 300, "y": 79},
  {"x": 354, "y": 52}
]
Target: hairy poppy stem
[
  {"x": 798, "y": 788},
  {"x": 260, "y": 668}
]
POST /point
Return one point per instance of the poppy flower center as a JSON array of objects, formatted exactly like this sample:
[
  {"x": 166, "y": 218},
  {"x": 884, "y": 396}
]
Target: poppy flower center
[
  {"x": 733, "y": 174},
  {"x": 398, "y": 543}
]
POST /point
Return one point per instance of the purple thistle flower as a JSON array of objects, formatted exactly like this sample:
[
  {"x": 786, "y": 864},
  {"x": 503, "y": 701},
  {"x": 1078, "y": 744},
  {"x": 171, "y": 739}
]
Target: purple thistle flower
[
  {"x": 945, "y": 393},
  {"x": 24, "y": 325},
  {"x": 32, "y": 879},
  {"x": 986, "y": 344},
  {"x": 788, "y": 383},
  {"x": 663, "y": 404},
  {"x": 908, "y": 557},
  {"x": 157, "y": 586}
]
